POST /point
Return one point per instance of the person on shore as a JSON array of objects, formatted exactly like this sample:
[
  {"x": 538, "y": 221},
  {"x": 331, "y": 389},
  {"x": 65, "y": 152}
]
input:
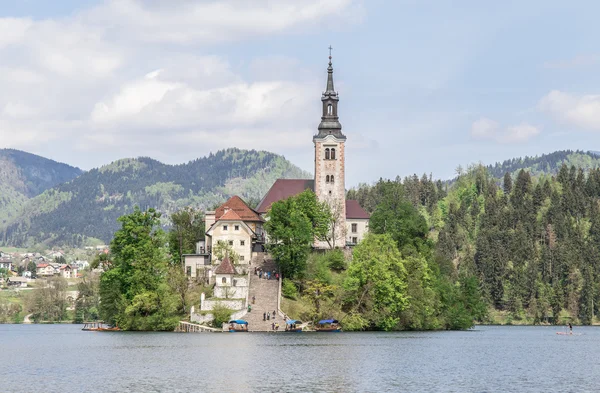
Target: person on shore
[
  {"x": 260, "y": 274},
  {"x": 264, "y": 316},
  {"x": 274, "y": 314},
  {"x": 277, "y": 276},
  {"x": 253, "y": 299},
  {"x": 268, "y": 316},
  {"x": 276, "y": 327},
  {"x": 249, "y": 308},
  {"x": 273, "y": 326},
  {"x": 570, "y": 328}
]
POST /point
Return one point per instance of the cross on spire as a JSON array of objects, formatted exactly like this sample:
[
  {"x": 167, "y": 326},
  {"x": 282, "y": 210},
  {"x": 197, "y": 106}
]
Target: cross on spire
[{"x": 330, "y": 49}]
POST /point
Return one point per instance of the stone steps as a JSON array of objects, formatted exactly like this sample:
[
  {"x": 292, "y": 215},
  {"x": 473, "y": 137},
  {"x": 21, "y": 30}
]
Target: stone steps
[{"x": 266, "y": 293}]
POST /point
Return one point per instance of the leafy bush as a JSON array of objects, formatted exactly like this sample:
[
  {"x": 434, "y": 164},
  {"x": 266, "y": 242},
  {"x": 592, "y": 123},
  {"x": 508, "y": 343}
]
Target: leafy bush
[
  {"x": 221, "y": 315},
  {"x": 288, "y": 289},
  {"x": 335, "y": 260}
]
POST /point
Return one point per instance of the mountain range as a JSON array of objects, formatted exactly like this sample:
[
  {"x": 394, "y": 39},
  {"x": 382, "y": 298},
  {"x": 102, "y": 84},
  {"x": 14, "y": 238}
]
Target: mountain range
[
  {"x": 75, "y": 208},
  {"x": 43, "y": 202}
]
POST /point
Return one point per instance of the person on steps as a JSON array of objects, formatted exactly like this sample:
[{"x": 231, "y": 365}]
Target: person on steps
[{"x": 264, "y": 316}]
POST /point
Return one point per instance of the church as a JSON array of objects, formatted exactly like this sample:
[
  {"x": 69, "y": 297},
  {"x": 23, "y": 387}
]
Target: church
[
  {"x": 241, "y": 226},
  {"x": 330, "y": 173}
]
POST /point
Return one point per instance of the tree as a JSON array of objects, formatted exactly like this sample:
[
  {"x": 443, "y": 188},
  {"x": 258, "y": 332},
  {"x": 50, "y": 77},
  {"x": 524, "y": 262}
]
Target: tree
[
  {"x": 134, "y": 290},
  {"x": 87, "y": 303},
  {"x": 398, "y": 217},
  {"x": 376, "y": 282},
  {"x": 507, "y": 183},
  {"x": 293, "y": 224},
  {"x": 222, "y": 249},
  {"x": 49, "y": 303},
  {"x": 187, "y": 230}
]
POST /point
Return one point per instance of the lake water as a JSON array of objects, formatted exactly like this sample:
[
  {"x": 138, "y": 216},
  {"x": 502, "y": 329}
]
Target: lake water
[{"x": 62, "y": 358}]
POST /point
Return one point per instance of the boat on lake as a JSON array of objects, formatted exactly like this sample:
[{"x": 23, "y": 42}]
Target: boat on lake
[
  {"x": 293, "y": 325},
  {"x": 99, "y": 327},
  {"x": 328, "y": 325},
  {"x": 238, "y": 325}
]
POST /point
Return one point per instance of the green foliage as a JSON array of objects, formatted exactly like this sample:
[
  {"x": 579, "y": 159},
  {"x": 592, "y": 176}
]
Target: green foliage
[
  {"x": 187, "y": 230},
  {"x": 336, "y": 260},
  {"x": 292, "y": 225},
  {"x": 288, "y": 289},
  {"x": 222, "y": 249},
  {"x": 221, "y": 315},
  {"x": 134, "y": 289},
  {"x": 49, "y": 303},
  {"x": 63, "y": 215},
  {"x": 87, "y": 304},
  {"x": 376, "y": 282}
]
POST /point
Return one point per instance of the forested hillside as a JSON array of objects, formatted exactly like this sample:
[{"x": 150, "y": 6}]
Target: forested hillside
[
  {"x": 88, "y": 206},
  {"x": 548, "y": 164},
  {"x": 533, "y": 242},
  {"x": 24, "y": 175}
]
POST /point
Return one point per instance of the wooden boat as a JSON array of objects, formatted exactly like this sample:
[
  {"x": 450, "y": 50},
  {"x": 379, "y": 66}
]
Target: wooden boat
[
  {"x": 99, "y": 327},
  {"x": 238, "y": 325},
  {"x": 328, "y": 325},
  {"x": 292, "y": 325}
]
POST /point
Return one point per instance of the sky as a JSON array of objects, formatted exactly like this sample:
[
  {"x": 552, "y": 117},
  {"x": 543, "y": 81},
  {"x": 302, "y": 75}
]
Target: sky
[{"x": 424, "y": 85}]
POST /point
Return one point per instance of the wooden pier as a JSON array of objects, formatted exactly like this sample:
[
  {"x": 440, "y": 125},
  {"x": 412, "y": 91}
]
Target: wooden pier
[{"x": 187, "y": 327}]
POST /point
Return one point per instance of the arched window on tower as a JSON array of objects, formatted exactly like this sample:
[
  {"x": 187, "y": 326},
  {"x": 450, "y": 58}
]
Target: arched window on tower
[
  {"x": 327, "y": 154},
  {"x": 330, "y": 109},
  {"x": 331, "y": 179},
  {"x": 332, "y": 153},
  {"x": 327, "y": 179}
]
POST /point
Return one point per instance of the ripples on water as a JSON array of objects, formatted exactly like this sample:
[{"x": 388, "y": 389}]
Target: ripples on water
[{"x": 62, "y": 358}]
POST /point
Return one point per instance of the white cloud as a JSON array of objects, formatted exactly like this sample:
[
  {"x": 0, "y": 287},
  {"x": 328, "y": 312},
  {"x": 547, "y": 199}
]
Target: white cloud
[
  {"x": 487, "y": 129},
  {"x": 582, "y": 111},
  {"x": 133, "y": 77},
  {"x": 484, "y": 128}
]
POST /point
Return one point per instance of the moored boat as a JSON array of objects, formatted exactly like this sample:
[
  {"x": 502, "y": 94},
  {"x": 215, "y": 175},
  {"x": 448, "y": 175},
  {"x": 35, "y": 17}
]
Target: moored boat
[
  {"x": 99, "y": 327},
  {"x": 238, "y": 325},
  {"x": 292, "y": 325},
  {"x": 328, "y": 325}
]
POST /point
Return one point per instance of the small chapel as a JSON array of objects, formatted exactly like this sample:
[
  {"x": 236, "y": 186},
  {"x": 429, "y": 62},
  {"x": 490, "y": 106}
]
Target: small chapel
[{"x": 241, "y": 226}]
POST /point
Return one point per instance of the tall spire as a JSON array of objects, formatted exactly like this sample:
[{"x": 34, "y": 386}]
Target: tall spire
[
  {"x": 330, "y": 88},
  {"x": 330, "y": 124}
]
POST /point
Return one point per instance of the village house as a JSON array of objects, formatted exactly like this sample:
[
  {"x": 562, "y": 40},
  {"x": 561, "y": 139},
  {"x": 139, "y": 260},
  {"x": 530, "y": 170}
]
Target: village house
[
  {"x": 68, "y": 271},
  {"x": 17, "y": 282},
  {"x": 6, "y": 263},
  {"x": 44, "y": 270},
  {"x": 234, "y": 223}
]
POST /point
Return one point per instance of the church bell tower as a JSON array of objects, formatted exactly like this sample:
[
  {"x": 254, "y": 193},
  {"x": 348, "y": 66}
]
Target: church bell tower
[{"x": 329, "y": 161}]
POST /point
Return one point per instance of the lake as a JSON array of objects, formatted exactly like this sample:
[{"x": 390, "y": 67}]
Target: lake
[{"x": 62, "y": 358}]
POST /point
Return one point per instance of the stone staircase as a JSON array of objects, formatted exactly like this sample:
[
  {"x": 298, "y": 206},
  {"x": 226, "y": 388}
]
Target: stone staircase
[{"x": 266, "y": 293}]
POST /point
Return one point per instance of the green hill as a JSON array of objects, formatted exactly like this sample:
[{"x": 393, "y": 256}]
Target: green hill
[
  {"x": 88, "y": 207},
  {"x": 24, "y": 176},
  {"x": 548, "y": 164}
]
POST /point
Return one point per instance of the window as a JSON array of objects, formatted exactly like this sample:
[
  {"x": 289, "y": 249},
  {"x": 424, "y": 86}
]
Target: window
[
  {"x": 231, "y": 242},
  {"x": 354, "y": 240},
  {"x": 236, "y": 227},
  {"x": 224, "y": 280},
  {"x": 327, "y": 179},
  {"x": 242, "y": 242},
  {"x": 333, "y": 154},
  {"x": 241, "y": 257},
  {"x": 331, "y": 179},
  {"x": 327, "y": 154},
  {"x": 354, "y": 228},
  {"x": 224, "y": 227},
  {"x": 330, "y": 109}
]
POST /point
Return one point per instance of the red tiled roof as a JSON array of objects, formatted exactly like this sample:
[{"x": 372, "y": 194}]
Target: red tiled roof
[
  {"x": 42, "y": 265},
  {"x": 237, "y": 205},
  {"x": 282, "y": 189},
  {"x": 225, "y": 267},
  {"x": 230, "y": 215},
  {"x": 354, "y": 210}
]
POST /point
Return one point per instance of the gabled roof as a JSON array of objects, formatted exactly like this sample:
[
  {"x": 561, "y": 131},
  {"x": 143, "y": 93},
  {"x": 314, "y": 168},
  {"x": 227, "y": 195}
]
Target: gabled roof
[
  {"x": 241, "y": 209},
  {"x": 42, "y": 265},
  {"x": 225, "y": 267},
  {"x": 354, "y": 210},
  {"x": 230, "y": 215},
  {"x": 283, "y": 189}
]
